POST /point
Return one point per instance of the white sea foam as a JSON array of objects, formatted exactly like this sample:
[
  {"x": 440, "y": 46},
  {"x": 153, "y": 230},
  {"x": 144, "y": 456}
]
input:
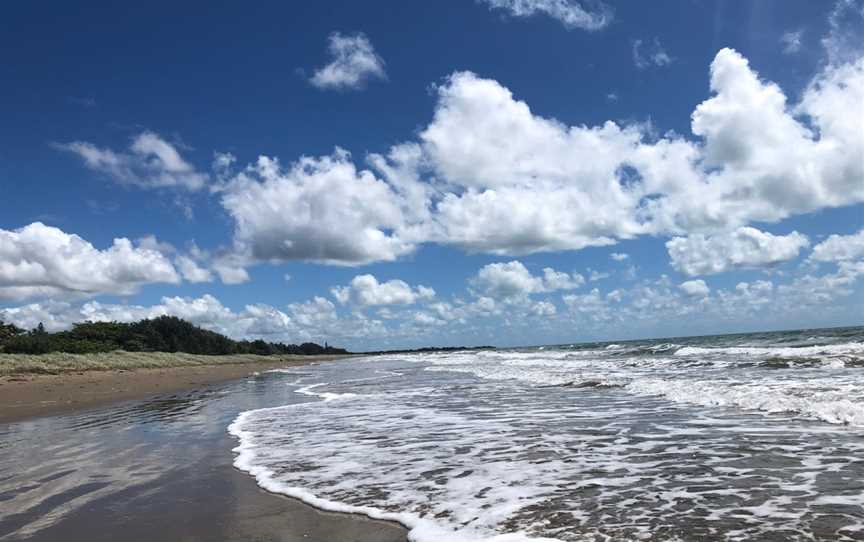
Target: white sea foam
[
  {"x": 567, "y": 445},
  {"x": 349, "y": 465},
  {"x": 785, "y": 352},
  {"x": 806, "y": 399},
  {"x": 834, "y": 398}
]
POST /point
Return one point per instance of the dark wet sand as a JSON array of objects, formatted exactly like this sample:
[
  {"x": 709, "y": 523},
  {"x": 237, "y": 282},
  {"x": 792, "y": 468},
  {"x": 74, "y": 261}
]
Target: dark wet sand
[{"x": 222, "y": 505}]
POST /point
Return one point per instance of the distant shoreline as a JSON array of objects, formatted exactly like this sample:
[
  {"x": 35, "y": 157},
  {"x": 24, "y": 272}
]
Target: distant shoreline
[{"x": 52, "y": 384}]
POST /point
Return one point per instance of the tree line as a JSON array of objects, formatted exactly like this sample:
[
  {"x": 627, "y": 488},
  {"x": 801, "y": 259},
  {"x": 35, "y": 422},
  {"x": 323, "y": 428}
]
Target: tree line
[{"x": 162, "y": 334}]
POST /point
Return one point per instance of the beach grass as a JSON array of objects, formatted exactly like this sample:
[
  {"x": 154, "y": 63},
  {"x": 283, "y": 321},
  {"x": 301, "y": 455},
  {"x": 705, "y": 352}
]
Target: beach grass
[{"x": 60, "y": 363}]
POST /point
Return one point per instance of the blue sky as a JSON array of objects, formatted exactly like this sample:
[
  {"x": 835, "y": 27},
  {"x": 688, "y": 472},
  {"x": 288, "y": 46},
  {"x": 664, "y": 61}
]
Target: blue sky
[{"x": 434, "y": 173}]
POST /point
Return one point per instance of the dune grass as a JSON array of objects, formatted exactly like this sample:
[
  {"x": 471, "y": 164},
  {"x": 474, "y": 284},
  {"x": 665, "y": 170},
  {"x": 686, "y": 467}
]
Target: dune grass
[{"x": 59, "y": 363}]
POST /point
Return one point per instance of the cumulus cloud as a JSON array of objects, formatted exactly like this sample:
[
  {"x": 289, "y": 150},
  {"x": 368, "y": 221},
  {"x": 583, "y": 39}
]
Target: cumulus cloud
[
  {"x": 40, "y": 260},
  {"x": 489, "y": 175},
  {"x": 513, "y": 279},
  {"x": 317, "y": 312},
  {"x": 517, "y": 183},
  {"x": 192, "y": 265},
  {"x": 149, "y": 162},
  {"x": 769, "y": 164},
  {"x": 650, "y": 54},
  {"x": 192, "y": 271},
  {"x": 593, "y": 305},
  {"x": 742, "y": 248},
  {"x": 821, "y": 290},
  {"x": 312, "y": 320},
  {"x": 619, "y": 256},
  {"x": 643, "y": 306},
  {"x": 319, "y": 209},
  {"x": 839, "y": 248},
  {"x": 695, "y": 288},
  {"x": 353, "y": 63},
  {"x": 365, "y": 291},
  {"x": 658, "y": 306},
  {"x": 230, "y": 266},
  {"x": 544, "y": 309},
  {"x": 571, "y": 13}
]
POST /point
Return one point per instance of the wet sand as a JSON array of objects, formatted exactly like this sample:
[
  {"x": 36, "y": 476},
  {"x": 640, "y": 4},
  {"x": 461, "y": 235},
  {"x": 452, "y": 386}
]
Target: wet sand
[
  {"x": 30, "y": 395},
  {"x": 216, "y": 504},
  {"x": 195, "y": 495}
]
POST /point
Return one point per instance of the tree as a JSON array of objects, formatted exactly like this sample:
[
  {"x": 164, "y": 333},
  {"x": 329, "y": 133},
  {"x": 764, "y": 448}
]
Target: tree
[
  {"x": 8, "y": 331},
  {"x": 162, "y": 334}
]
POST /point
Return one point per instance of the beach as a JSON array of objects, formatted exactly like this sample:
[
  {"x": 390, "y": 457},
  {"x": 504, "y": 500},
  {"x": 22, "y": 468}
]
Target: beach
[
  {"x": 25, "y": 393},
  {"x": 716, "y": 438},
  {"x": 71, "y": 471}
]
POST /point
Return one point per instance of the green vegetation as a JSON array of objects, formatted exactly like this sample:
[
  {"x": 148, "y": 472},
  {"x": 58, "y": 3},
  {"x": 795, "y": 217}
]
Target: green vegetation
[{"x": 162, "y": 334}]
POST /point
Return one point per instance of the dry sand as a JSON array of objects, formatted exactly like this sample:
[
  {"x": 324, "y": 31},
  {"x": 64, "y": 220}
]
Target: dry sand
[{"x": 27, "y": 395}]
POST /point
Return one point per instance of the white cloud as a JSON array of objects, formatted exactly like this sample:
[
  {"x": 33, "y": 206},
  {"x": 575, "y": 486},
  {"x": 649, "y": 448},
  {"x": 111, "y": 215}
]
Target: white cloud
[
  {"x": 571, "y": 13},
  {"x": 597, "y": 275},
  {"x": 844, "y": 41},
  {"x": 742, "y": 248},
  {"x": 365, "y": 291},
  {"x": 513, "y": 280},
  {"x": 317, "y": 312},
  {"x": 150, "y": 242},
  {"x": 488, "y": 175},
  {"x": 150, "y": 162},
  {"x": 695, "y": 288},
  {"x": 353, "y": 62},
  {"x": 320, "y": 209},
  {"x": 231, "y": 267},
  {"x": 544, "y": 309},
  {"x": 791, "y": 41},
  {"x": 769, "y": 165},
  {"x": 39, "y": 260},
  {"x": 313, "y": 320},
  {"x": 815, "y": 291},
  {"x": 319, "y": 320},
  {"x": 517, "y": 183},
  {"x": 647, "y": 307},
  {"x": 425, "y": 319},
  {"x": 619, "y": 256},
  {"x": 840, "y": 248},
  {"x": 591, "y": 304},
  {"x": 222, "y": 163},
  {"x": 650, "y": 54},
  {"x": 191, "y": 271},
  {"x": 205, "y": 311}
]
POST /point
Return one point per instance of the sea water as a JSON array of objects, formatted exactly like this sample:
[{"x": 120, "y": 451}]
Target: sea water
[{"x": 736, "y": 437}]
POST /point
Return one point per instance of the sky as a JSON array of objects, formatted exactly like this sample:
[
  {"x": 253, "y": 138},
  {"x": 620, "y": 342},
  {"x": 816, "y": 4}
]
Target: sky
[{"x": 403, "y": 174}]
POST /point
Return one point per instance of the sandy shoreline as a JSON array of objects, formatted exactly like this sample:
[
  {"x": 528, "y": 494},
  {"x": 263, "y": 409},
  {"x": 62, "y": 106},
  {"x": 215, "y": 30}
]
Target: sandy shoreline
[
  {"x": 25, "y": 396},
  {"x": 213, "y": 502}
]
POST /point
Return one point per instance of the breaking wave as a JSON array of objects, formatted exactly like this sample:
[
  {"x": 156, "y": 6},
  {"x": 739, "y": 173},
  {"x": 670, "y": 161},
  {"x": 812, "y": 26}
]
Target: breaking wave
[{"x": 661, "y": 441}]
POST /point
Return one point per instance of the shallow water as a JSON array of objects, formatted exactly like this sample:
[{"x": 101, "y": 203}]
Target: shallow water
[
  {"x": 747, "y": 437},
  {"x": 158, "y": 469}
]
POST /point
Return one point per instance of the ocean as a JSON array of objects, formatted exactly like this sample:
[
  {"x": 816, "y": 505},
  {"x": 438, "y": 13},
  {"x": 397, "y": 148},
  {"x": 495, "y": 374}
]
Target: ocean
[{"x": 734, "y": 437}]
